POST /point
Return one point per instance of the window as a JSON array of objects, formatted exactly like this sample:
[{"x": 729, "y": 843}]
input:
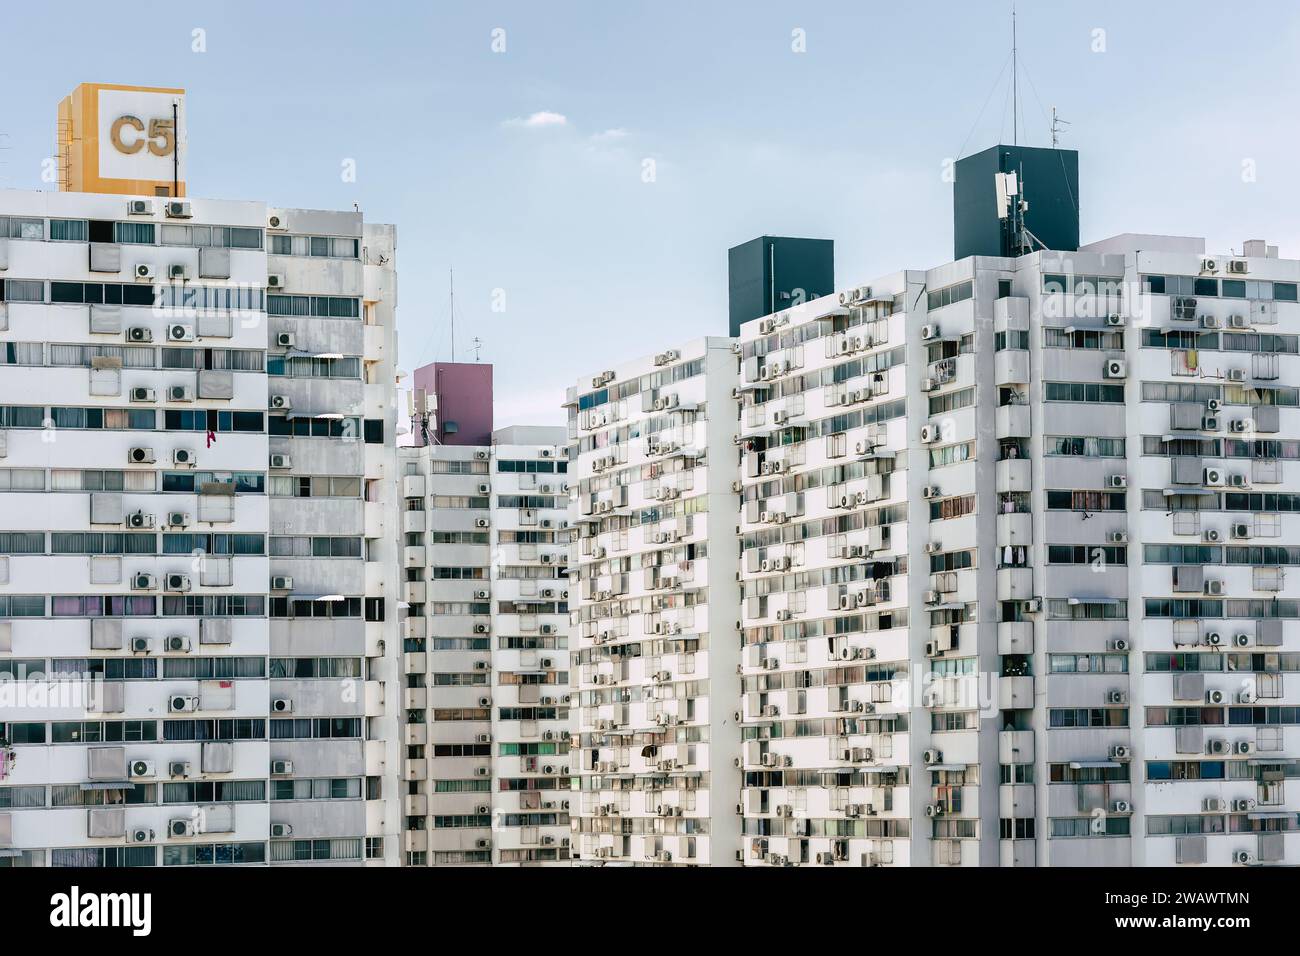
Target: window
[{"x": 320, "y": 306}]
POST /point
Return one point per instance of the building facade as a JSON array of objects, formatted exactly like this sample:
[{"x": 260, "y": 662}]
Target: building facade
[
  {"x": 1013, "y": 540},
  {"x": 655, "y": 607},
  {"x": 485, "y": 651},
  {"x": 197, "y": 433}
]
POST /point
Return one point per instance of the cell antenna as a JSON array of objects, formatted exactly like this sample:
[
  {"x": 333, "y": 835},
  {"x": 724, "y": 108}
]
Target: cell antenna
[{"x": 1057, "y": 123}]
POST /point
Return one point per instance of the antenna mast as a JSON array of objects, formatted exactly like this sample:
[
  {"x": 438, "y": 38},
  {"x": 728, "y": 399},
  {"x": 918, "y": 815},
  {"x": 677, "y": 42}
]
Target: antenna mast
[
  {"x": 1057, "y": 123},
  {"x": 451, "y": 308},
  {"x": 1015, "y": 92}
]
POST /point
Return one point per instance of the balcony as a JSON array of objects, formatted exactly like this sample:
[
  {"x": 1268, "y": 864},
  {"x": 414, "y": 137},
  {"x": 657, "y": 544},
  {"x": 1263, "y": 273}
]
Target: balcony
[
  {"x": 1015, "y": 746},
  {"x": 1015, "y": 529},
  {"x": 416, "y": 841},
  {"x": 415, "y": 769},
  {"x": 1016, "y": 801},
  {"x": 1011, "y": 367},
  {"x": 414, "y": 592},
  {"x": 415, "y": 735},
  {"x": 415, "y": 698},
  {"x": 1015, "y": 584},
  {"x": 415, "y": 805},
  {"x": 414, "y": 627},
  {"x": 414, "y": 556},
  {"x": 1013, "y": 474},
  {"x": 1015, "y": 637},
  {"x": 415, "y": 662},
  {"x": 1012, "y": 421},
  {"x": 1017, "y": 853},
  {"x": 413, "y": 486},
  {"x": 1015, "y": 693}
]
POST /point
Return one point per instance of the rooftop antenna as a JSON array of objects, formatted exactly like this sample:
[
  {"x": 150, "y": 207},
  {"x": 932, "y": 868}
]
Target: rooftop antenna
[
  {"x": 1015, "y": 93},
  {"x": 451, "y": 308},
  {"x": 478, "y": 345},
  {"x": 1057, "y": 123}
]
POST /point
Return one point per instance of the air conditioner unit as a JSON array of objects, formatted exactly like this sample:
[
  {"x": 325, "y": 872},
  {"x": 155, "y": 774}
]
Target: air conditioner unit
[
  {"x": 481, "y": 628},
  {"x": 139, "y": 207},
  {"x": 176, "y": 644},
  {"x": 144, "y": 271},
  {"x": 480, "y": 522},
  {"x": 1210, "y": 423},
  {"x": 141, "y": 645},
  {"x": 183, "y": 457},
  {"x": 181, "y": 704},
  {"x": 275, "y": 280},
  {"x": 934, "y": 810},
  {"x": 282, "y": 402},
  {"x": 139, "y": 333},
  {"x": 142, "y": 768},
  {"x": 1234, "y": 374},
  {"x": 1212, "y": 477},
  {"x": 1122, "y": 806},
  {"x": 1209, "y": 322},
  {"x": 140, "y": 456},
  {"x": 930, "y": 491},
  {"x": 144, "y": 582},
  {"x": 1115, "y": 368},
  {"x": 1209, "y": 264},
  {"x": 1117, "y": 537},
  {"x": 281, "y": 462},
  {"x": 1117, "y": 481},
  {"x": 281, "y": 768},
  {"x": 282, "y": 705},
  {"x": 1238, "y": 322},
  {"x": 180, "y": 393},
  {"x": 1116, "y": 696},
  {"x": 929, "y": 433},
  {"x": 176, "y": 582},
  {"x": 929, "y": 332},
  {"x": 1244, "y": 747},
  {"x": 141, "y": 835},
  {"x": 281, "y": 830},
  {"x": 1119, "y": 752},
  {"x": 932, "y": 756},
  {"x": 1118, "y": 644},
  {"x": 1237, "y": 266},
  {"x": 1214, "y": 805},
  {"x": 1114, "y": 320},
  {"x": 178, "y": 270},
  {"x": 1216, "y": 746},
  {"x": 139, "y": 519},
  {"x": 281, "y": 582},
  {"x": 1213, "y": 638},
  {"x": 178, "y": 519},
  {"x": 1031, "y": 606},
  {"x": 1215, "y": 697},
  {"x": 179, "y": 332},
  {"x": 1214, "y": 405},
  {"x": 177, "y": 209},
  {"x": 1214, "y": 587}
]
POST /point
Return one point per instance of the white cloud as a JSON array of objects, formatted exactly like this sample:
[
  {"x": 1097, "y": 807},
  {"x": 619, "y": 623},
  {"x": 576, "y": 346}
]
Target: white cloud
[
  {"x": 609, "y": 134},
  {"x": 540, "y": 119}
]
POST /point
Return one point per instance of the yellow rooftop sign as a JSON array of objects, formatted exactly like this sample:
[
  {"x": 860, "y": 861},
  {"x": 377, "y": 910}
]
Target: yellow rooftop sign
[{"x": 122, "y": 139}]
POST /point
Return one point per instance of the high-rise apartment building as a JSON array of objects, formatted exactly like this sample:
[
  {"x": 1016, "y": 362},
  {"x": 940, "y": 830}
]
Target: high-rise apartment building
[
  {"x": 198, "y": 578},
  {"x": 485, "y": 650},
  {"x": 655, "y": 609},
  {"x": 1028, "y": 606},
  {"x": 1013, "y": 539}
]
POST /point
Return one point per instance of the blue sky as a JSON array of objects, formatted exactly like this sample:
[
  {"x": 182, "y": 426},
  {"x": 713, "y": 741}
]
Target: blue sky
[{"x": 553, "y": 218}]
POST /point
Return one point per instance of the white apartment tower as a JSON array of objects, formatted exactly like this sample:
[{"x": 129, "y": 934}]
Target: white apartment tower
[
  {"x": 655, "y": 608},
  {"x": 485, "y": 651},
  {"x": 198, "y": 579},
  {"x": 1014, "y": 535}
]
